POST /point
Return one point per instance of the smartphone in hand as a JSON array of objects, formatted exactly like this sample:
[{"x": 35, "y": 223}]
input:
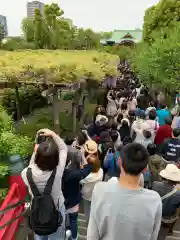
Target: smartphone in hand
[{"x": 40, "y": 139}]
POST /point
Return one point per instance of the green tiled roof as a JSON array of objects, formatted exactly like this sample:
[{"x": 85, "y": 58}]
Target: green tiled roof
[{"x": 119, "y": 34}]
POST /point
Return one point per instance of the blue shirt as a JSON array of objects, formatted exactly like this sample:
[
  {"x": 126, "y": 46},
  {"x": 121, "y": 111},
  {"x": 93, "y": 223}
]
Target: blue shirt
[
  {"x": 109, "y": 163},
  {"x": 71, "y": 187},
  {"x": 162, "y": 114}
]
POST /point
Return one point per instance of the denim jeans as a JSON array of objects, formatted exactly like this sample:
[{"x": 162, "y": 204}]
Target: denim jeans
[
  {"x": 73, "y": 224},
  {"x": 59, "y": 234}
]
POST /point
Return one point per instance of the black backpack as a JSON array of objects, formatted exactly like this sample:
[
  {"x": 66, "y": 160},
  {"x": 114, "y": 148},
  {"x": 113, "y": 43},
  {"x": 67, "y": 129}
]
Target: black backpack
[{"x": 44, "y": 217}]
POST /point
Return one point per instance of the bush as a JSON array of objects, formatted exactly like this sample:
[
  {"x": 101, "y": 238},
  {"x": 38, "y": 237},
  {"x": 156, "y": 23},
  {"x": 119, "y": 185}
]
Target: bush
[
  {"x": 5, "y": 121},
  {"x": 124, "y": 52},
  {"x": 4, "y": 172},
  {"x": 68, "y": 96},
  {"x": 11, "y": 143},
  {"x": 15, "y": 44},
  {"x": 3, "y": 193},
  {"x": 30, "y": 98},
  {"x": 15, "y": 144}
]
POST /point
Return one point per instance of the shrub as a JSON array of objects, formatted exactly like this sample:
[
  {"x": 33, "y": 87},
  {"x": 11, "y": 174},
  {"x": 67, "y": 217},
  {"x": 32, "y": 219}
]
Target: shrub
[
  {"x": 30, "y": 98},
  {"x": 15, "y": 44}
]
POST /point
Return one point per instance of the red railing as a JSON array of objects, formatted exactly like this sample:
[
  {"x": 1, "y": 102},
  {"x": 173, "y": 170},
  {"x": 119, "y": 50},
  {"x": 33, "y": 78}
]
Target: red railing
[{"x": 11, "y": 212}]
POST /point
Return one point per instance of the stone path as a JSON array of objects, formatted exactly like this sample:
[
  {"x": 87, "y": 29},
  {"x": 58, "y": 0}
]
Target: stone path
[
  {"x": 82, "y": 228},
  {"x": 175, "y": 236}
]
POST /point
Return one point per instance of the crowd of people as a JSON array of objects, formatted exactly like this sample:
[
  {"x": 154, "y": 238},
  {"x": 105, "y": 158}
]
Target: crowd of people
[{"x": 123, "y": 168}]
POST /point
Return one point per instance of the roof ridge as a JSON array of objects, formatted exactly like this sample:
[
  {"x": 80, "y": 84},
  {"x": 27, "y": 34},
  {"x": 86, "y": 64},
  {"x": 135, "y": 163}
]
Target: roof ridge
[{"x": 125, "y": 30}]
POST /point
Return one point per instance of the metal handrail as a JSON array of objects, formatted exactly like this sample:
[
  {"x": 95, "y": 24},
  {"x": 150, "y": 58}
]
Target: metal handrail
[
  {"x": 23, "y": 214},
  {"x": 12, "y": 206},
  {"x": 12, "y": 220},
  {"x": 8, "y": 209}
]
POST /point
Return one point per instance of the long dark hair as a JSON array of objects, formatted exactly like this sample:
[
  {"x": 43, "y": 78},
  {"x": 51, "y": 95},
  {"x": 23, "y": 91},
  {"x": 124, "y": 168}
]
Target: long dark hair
[
  {"x": 47, "y": 155},
  {"x": 124, "y": 130}
]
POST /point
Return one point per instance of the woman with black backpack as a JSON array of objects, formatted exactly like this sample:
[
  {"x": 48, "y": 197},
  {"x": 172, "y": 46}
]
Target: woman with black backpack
[{"x": 43, "y": 178}]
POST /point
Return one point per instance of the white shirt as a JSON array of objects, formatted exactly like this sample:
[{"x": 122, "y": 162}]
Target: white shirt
[
  {"x": 89, "y": 182},
  {"x": 40, "y": 177},
  {"x": 149, "y": 109},
  {"x": 138, "y": 91},
  {"x": 139, "y": 126},
  {"x": 141, "y": 180},
  {"x": 132, "y": 105},
  {"x": 153, "y": 126}
]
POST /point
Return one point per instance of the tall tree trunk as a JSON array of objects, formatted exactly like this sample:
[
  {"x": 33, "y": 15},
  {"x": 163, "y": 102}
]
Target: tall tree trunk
[
  {"x": 56, "y": 112},
  {"x": 17, "y": 103},
  {"x": 74, "y": 105},
  {"x": 83, "y": 110}
]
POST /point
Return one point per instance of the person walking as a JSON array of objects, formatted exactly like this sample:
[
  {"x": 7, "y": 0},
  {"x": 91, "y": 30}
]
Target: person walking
[
  {"x": 162, "y": 114},
  {"x": 43, "y": 174},
  {"x": 119, "y": 209},
  {"x": 88, "y": 184},
  {"x": 169, "y": 192}
]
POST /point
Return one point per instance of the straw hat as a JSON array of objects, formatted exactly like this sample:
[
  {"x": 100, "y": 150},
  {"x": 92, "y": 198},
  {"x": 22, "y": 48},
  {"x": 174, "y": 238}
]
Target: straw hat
[
  {"x": 91, "y": 146},
  {"x": 171, "y": 172}
]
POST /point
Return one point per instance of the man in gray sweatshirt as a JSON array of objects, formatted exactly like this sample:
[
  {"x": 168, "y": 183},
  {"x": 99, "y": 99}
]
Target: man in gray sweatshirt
[{"x": 122, "y": 210}]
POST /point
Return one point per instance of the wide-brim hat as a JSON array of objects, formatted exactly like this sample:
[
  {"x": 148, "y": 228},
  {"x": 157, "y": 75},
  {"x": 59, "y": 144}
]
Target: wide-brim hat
[
  {"x": 171, "y": 172},
  {"x": 101, "y": 120},
  {"x": 91, "y": 147}
]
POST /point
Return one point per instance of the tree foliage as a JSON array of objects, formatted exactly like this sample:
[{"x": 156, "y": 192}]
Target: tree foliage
[
  {"x": 124, "y": 52},
  {"x": 159, "y": 63},
  {"x": 28, "y": 29},
  {"x": 86, "y": 39},
  {"x": 38, "y": 29},
  {"x": 48, "y": 67},
  {"x": 2, "y": 33},
  {"x": 160, "y": 18},
  {"x": 106, "y": 35},
  {"x": 52, "y": 31}
]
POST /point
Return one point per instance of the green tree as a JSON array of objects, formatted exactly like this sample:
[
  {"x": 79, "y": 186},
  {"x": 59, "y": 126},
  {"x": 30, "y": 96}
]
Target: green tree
[
  {"x": 2, "y": 33},
  {"x": 86, "y": 39},
  {"x": 28, "y": 29},
  {"x": 38, "y": 29},
  {"x": 159, "y": 18},
  {"x": 53, "y": 31},
  {"x": 159, "y": 63},
  {"x": 66, "y": 35},
  {"x": 51, "y": 14},
  {"x": 106, "y": 35}
]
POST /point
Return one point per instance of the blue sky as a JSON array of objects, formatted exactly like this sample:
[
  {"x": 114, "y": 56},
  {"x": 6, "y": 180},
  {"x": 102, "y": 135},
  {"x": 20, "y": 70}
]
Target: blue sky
[{"x": 95, "y": 14}]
